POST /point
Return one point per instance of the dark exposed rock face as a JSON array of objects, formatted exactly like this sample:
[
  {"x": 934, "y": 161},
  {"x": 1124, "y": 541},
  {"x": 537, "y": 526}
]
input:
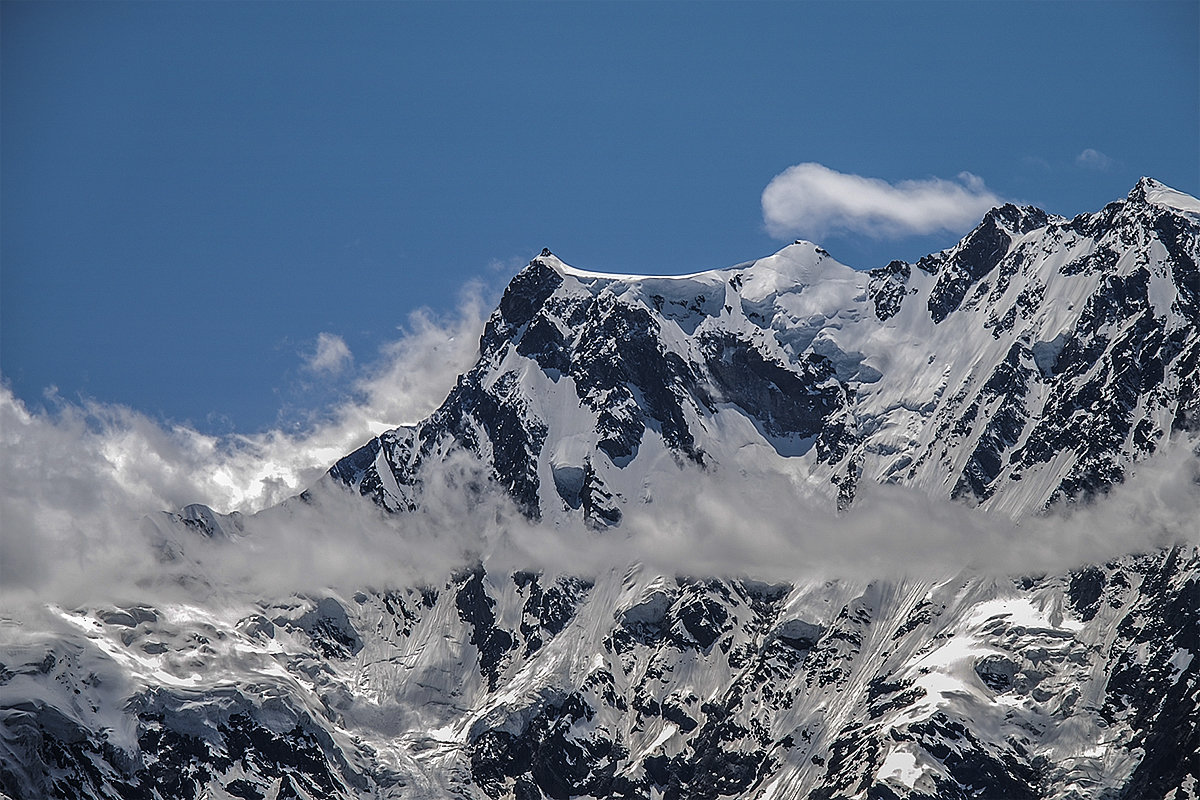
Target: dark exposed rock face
[
  {"x": 1004, "y": 396},
  {"x": 329, "y": 629},
  {"x": 977, "y": 256},
  {"x": 1108, "y": 373},
  {"x": 185, "y": 744},
  {"x": 888, "y": 287},
  {"x": 475, "y": 608},
  {"x": 619, "y": 361},
  {"x": 545, "y": 758},
  {"x": 784, "y": 402},
  {"x": 1154, "y": 675}
]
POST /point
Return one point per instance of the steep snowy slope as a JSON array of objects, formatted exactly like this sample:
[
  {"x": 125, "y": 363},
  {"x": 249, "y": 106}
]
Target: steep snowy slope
[{"x": 1038, "y": 363}]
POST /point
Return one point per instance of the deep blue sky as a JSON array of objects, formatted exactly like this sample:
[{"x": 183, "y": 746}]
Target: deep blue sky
[{"x": 191, "y": 193}]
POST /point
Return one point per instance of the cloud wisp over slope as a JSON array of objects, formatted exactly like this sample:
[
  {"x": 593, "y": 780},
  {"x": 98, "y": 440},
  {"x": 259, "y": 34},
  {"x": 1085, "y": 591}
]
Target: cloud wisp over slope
[
  {"x": 812, "y": 200},
  {"x": 700, "y": 524}
]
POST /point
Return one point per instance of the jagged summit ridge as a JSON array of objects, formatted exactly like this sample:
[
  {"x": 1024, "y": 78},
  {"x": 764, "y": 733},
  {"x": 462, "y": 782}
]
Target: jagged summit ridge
[
  {"x": 959, "y": 375},
  {"x": 794, "y": 262}
]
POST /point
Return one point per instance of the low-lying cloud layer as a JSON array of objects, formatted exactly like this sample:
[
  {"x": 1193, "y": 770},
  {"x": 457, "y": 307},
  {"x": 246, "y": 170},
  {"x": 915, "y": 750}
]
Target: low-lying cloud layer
[
  {"x": 699, "y": 524},
  {"x": 83, "y": 493},
  {"x": 813, "y": 200}
]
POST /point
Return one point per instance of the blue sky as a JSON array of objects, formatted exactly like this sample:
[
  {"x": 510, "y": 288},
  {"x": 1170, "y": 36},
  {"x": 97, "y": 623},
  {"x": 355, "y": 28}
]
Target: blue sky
[{"x": 218, "y": 213}]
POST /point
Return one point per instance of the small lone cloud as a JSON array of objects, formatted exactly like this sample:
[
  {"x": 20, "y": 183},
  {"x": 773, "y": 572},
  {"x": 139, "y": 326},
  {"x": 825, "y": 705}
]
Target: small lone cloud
[
  {"x": 811, "y": 199},
  {"x": 331, "y": 357},
  {"x": 1093, "y": 159}
]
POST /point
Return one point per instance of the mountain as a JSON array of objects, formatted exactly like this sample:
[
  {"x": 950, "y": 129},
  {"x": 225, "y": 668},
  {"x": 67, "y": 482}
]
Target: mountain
[
  {"x": 1032, "y": 362},
  {"x": 1035, "y": 366}
]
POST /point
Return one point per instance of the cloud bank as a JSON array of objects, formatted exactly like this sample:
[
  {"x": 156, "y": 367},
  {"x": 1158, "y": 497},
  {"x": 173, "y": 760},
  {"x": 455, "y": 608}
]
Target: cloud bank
[
  {"x": 812, "y": 200},
  {"x": 699, "y": 524},
  {"x": 84, "y": 523}
]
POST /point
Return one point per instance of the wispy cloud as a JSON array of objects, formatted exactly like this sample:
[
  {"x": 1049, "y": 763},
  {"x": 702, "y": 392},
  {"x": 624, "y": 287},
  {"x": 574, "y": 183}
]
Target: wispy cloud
[
  {"x": 812, "y": 200},
  {"x": 1094, "y": 159},
  {"x": 331, "y": 357}
]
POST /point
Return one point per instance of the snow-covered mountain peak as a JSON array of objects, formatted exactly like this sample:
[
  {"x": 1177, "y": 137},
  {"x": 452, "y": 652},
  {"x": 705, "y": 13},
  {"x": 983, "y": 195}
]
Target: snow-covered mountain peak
[
  {"x": 597, "y": 277},
  {"x": 553, "y": 262},
  {"x": 1159, "y": 194},
  {"x": 800, "y": 263},
  {"x": 990, "y": 240}
]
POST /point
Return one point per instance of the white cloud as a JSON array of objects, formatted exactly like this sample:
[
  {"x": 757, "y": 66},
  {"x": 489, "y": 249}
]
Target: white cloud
[
  {"x": 507, "y": 266},
  {"x": 1093, "y": 159},
  {"x": 812, "y": 200},
  {"x": 332, "y": 356}
]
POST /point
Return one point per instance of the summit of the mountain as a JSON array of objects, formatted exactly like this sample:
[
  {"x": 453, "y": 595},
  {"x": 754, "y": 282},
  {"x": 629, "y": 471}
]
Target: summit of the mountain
[
  {"x": 800, "y": 263},
  {"x": 1159, "y": 194}
]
